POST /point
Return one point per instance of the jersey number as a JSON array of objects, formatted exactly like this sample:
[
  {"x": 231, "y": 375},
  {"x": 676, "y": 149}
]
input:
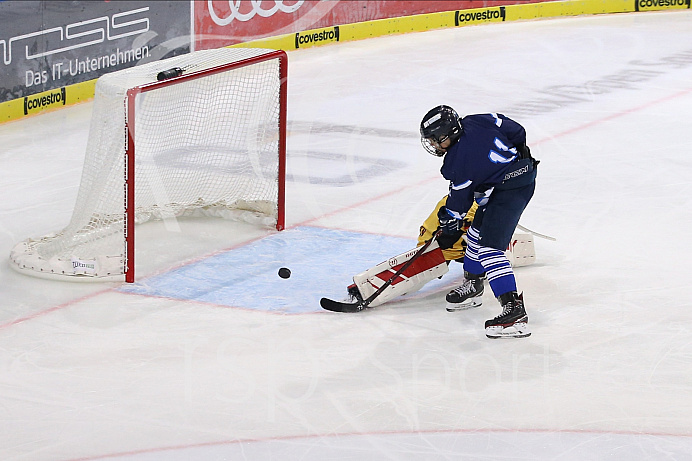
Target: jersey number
[{"x": 506, "y": 156}]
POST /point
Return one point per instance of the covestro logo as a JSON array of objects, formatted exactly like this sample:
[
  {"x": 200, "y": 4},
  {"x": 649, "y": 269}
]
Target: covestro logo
[
  {"x": 41, "y": 101},
  {"x": 645, "y": 5},
  {"x": 328, "y": 35},
  {"x": 462, "y": 17}
]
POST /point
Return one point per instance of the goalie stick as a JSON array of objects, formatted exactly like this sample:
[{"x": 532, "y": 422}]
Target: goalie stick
[
  {"x": 537, "y": 234},
  {"x": 337, "y": 306}
]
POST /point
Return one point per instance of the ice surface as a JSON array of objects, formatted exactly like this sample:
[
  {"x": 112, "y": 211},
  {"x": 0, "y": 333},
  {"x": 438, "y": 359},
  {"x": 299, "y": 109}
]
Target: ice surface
[
  {"x": 109, "y": 372},
  {"x": 246, "y": 277}
]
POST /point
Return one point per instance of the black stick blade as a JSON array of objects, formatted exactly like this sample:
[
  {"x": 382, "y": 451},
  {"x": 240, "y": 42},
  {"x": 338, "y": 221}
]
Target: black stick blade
[{"x": 336, "y": 306}]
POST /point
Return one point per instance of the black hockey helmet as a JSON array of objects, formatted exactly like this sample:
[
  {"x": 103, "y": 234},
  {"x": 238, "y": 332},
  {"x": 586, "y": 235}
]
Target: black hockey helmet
[{"x": 438, "y": 125}]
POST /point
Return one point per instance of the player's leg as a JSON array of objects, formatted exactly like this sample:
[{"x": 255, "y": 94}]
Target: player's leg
[
  {"x": 500, "y": 219},
  {"x": 470, "y": 293},
  {"x": 454, "y": 248}
]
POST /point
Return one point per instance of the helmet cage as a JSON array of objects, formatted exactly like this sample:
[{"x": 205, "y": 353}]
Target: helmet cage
[
  {"x": 439, "y": 125},
  {"x": 432, "y": 145}
]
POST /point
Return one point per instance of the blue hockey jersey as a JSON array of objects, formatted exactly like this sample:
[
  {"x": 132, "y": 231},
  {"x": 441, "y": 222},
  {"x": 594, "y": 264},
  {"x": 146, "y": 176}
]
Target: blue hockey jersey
[{"x": 482, "y": 158}]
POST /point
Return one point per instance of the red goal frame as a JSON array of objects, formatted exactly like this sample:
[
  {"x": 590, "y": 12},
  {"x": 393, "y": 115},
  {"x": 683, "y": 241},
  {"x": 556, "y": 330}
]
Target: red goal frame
[{"x": 129, "y": 170}]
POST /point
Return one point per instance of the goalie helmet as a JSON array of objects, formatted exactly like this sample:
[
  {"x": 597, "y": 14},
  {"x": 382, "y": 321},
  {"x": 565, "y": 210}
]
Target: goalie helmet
[{"x": 438, "y": 125}]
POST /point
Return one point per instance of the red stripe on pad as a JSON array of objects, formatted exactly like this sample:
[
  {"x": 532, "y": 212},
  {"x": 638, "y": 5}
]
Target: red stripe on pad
[{"x": 423, "y": 263}]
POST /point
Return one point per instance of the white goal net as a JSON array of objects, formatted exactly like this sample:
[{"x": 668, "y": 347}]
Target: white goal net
[{"x": 210, "y": 141}]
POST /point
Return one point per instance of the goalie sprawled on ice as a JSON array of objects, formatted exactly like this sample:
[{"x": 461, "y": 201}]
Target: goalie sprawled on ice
[{"x": 432, "y": 263}]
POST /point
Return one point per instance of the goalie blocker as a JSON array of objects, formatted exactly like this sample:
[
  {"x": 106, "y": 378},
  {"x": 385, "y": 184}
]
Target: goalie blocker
[{"x": 430, "y": 265}]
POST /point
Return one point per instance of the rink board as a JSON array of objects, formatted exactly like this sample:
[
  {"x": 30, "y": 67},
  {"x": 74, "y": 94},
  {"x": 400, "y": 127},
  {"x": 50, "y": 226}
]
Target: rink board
[{"x": 322, "y": 263}]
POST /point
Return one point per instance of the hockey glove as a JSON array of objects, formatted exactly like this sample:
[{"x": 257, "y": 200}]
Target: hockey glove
[
  {"x": 448, "y": 224},
  {"x": 451, "y": 228}
]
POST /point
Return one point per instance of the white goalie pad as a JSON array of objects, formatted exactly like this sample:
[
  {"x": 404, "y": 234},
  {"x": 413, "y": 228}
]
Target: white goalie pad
[
  {"x": 428, "y": 266},
  {"x": 521, "y": 251}
]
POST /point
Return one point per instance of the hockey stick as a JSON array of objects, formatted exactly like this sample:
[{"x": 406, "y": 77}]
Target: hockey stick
[
  {"x": 336, "y": 306},
  {"x": 543, "y": 236}
]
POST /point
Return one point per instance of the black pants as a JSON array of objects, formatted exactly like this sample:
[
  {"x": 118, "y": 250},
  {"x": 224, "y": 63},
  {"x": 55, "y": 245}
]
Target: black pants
[{"x": 498, "y": 219}]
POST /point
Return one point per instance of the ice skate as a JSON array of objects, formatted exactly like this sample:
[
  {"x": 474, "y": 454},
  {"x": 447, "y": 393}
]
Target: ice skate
[
  {"x": 466, "y": 296},
  {"x": 513, "y": 322}
]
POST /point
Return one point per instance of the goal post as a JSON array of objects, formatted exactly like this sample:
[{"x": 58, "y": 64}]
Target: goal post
[{"x": 208, "y": 141}]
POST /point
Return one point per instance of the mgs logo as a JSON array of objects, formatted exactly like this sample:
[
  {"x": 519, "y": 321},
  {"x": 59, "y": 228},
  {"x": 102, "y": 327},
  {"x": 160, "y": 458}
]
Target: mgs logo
[{"x": 77, "y": 35}]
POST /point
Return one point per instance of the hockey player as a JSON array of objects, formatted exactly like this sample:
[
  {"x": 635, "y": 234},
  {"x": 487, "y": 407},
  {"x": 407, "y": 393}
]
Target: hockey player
[{"x": 486, "y": 160}]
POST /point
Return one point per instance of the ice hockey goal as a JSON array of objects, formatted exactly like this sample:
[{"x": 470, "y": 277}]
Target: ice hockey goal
[{"x": 208, "y": 141}]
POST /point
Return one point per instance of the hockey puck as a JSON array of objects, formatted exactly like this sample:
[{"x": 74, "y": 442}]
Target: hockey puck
[
  {"x": 170, "y": 73},
  {"x": 284, "y": 272}
]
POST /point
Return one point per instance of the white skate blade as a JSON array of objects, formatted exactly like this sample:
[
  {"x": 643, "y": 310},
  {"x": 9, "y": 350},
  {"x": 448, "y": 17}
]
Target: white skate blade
[
  {"x": 517, "y": 330},
  {"x": 468, "y": 304}
]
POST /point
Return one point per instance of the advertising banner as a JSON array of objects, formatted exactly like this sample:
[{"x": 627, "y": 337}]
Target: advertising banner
[
  {"x": 223, "y": 22},
  {"x": 47, "y": 45}
]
